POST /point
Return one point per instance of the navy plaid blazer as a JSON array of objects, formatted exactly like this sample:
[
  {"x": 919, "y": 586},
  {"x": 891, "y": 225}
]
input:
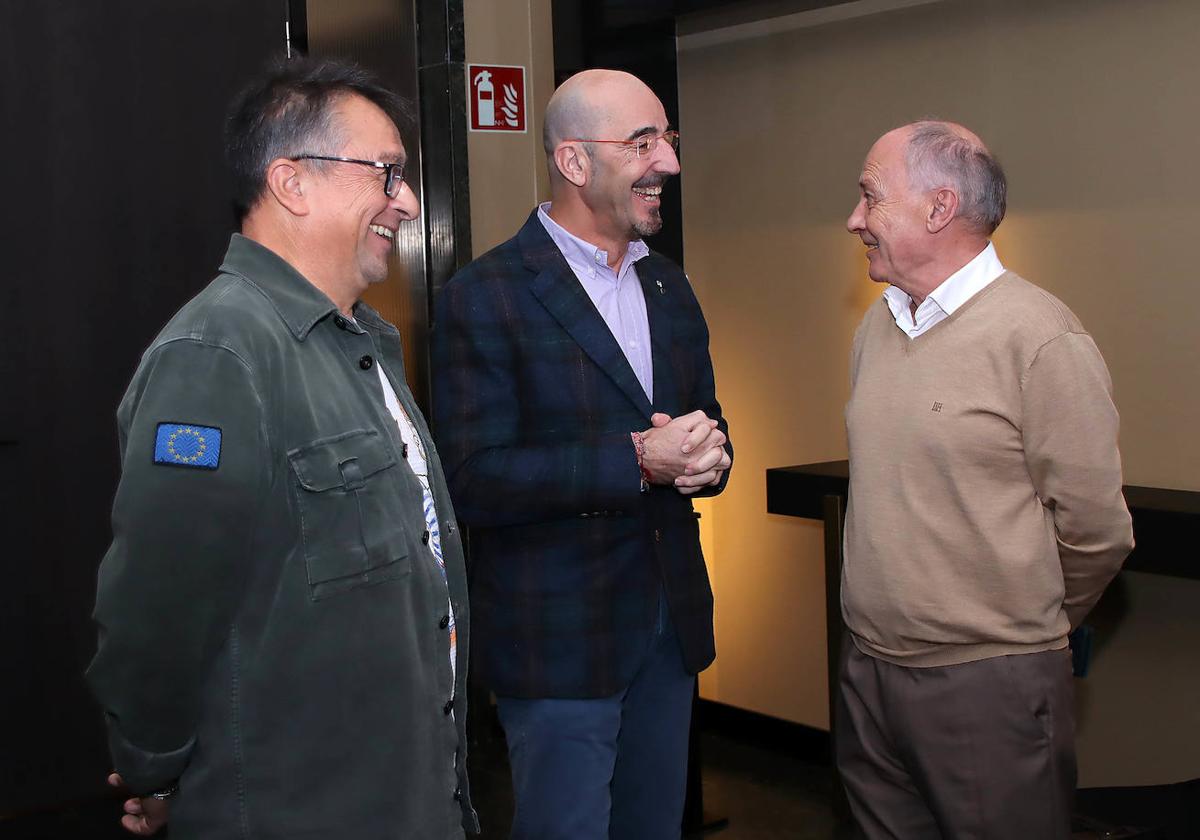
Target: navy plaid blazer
[{"x": 534, "y": 402}]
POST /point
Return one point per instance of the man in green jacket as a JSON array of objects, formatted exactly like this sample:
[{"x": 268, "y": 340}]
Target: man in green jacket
[{"x": 283, "y": 609}]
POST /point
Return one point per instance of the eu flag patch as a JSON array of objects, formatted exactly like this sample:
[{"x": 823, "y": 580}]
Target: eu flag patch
[{"x": 185, "y": 445}]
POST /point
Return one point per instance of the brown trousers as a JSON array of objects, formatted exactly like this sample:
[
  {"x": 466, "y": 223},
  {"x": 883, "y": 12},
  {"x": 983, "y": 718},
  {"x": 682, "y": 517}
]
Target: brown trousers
[{"x": 984, "y": 750}]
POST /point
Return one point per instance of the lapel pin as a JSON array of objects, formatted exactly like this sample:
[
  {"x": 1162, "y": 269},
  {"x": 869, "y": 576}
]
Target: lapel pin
[{"x": 661, "y": 290}]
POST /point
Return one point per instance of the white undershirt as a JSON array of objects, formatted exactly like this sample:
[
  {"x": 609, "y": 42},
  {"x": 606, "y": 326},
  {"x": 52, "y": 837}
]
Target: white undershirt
[
  {"x": 419, "y": 464},
  {"x": 953, "y": 292}
]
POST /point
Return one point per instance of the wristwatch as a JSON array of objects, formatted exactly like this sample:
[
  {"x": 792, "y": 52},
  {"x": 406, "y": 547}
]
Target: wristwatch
[{"x": 166, "y": 793}]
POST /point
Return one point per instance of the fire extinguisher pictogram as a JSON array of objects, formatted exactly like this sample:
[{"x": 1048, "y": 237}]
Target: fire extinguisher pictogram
[
  {"x": 496, "y": 98},
  {"x": 485, "y": 98}
]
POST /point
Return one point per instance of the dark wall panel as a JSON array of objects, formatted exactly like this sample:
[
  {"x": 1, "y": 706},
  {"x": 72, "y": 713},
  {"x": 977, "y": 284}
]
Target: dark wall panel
[
  {"x": 116, "y": 212},
  {"x": 416, "y": 47},
  {"x": 381, "y": 35}
]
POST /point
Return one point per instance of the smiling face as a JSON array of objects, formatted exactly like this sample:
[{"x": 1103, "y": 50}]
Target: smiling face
[
  {"x": 356, "y": 220},
  {"x": 623, "y": 192},
  {"x": 890, "y": 216}
]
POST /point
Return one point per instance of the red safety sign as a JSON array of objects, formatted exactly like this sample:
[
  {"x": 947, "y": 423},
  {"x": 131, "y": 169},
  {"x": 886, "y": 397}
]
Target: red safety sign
[{"x": 496, "y": 94}]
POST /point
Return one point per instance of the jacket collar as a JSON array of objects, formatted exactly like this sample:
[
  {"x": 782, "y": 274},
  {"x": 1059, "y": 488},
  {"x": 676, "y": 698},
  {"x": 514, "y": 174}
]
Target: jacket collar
[
  {"x": 659, "y": 302},
  {"x": 581, "y": 254},
  {"x": 299, "y": 303}
]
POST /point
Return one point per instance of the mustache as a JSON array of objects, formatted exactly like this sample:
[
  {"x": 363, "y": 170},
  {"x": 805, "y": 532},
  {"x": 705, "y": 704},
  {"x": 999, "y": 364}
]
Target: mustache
[{"x": 651, "y": 181}]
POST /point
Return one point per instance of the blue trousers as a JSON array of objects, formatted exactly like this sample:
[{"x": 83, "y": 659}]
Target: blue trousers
[{"x": 611, "y": 768}]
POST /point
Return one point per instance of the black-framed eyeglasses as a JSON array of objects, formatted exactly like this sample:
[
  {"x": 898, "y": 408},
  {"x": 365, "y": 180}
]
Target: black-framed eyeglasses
[
  {"x": 391, "y": 183},
  {"x": 641, "y": 145}
]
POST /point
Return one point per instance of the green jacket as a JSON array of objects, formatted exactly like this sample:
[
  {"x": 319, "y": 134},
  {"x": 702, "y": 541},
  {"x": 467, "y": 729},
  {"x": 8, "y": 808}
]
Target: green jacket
[{"x": 272, "y": 622}]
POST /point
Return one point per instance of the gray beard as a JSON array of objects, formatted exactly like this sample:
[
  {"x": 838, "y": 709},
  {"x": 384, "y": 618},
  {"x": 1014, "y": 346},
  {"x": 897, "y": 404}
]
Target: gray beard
[{"x": 650, "y": 226}]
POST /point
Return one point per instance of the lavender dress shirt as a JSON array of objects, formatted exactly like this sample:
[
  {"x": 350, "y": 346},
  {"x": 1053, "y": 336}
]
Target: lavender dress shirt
[{"x": 617, "y": 295}]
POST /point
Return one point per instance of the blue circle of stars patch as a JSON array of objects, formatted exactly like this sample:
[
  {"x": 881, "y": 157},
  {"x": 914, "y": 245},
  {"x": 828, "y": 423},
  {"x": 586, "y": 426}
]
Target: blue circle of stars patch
[{"x": 187, "y": 445}]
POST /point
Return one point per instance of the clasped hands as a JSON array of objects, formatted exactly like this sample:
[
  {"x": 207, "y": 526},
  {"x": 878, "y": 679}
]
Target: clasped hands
[
  {"x": 143, "y": 815},
  {"x": 686, "y": 451}
]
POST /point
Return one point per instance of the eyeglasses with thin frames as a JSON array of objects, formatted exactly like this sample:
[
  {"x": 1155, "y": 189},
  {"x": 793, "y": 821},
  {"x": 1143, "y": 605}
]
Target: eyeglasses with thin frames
[
  {"x": 644, "y": 144},
  {"x": 391, "y": 182}
]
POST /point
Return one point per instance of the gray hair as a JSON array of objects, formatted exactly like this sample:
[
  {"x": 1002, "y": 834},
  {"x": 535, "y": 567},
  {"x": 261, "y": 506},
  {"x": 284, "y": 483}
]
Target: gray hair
[
  {"x": 289, "y": 110},
  {"x": 939, "y": 156},
  {"x": 568, "y": 115}
]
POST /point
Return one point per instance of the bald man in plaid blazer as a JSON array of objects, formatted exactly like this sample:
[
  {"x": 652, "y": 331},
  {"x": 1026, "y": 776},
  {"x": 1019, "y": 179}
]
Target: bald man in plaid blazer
[{"x": 573, "y": 449}]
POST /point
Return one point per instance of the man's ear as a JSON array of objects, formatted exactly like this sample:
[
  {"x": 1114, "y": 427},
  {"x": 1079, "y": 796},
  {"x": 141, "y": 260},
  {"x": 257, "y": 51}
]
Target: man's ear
[
  {"x": 287, "y": 183},
  {"x": 573, "y": 163},
  {"x": 943, "y": 209}
]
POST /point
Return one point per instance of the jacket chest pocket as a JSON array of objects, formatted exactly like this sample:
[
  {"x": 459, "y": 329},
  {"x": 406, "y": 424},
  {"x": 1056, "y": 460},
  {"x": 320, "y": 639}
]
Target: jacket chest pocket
[{"x": 349, "y": 499}]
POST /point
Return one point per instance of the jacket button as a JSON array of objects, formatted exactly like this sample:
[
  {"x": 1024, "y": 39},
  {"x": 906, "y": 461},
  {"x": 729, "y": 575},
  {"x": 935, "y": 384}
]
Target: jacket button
[
  {"x": 424, "y": 538},
  {"x": 445, "y": 622},
  {"x": 339, "y": 322},
  {"x": 365, "y": 362},
  {"x": 448, "y": 708},
  {"x": 657, "y": 535}
]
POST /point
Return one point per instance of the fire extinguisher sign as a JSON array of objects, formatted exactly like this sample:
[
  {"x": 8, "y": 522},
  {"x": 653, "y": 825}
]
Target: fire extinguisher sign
[{"x": 496, "y": 97}]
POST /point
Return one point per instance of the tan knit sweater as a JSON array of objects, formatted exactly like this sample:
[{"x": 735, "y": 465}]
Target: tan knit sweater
[{"x": 985, "y": 514}]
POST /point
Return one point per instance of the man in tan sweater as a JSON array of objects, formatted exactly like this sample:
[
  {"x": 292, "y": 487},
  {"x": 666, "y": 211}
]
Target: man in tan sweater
[{"x": 985, "y": 514}]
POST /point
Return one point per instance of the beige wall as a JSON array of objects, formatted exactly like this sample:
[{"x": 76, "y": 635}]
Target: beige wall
[
  {"x": 508, "y": 171},
  {"x": 1091, "y": 107}
]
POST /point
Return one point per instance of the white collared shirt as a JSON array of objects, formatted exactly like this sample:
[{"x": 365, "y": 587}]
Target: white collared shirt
[{"x": 953, "y": 292}]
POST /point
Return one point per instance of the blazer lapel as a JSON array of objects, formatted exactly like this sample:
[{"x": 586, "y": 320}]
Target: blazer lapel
[
  {"x": 559, "y": 290},
  {"x": 658, "y": 310}
]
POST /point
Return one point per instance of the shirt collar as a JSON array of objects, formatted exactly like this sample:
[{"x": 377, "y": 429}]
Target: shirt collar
[
  {"x": 952, "y": 292},
  {"x": 582, "y": 252},
  {"x": 965, "y": 283},
  {"x": 299, "y": 303}
]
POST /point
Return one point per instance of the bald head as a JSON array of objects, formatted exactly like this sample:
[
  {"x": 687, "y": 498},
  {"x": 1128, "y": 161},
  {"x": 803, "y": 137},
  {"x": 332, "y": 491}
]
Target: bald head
[
  {"x": 607, "y": 165},
  {"x": 946, "y": 154},
  {"x": 584, "y": 106}
]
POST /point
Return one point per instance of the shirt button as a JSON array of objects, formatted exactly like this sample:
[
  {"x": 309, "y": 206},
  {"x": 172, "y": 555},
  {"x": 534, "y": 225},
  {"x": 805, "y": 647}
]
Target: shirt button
[
  {"x": 458, "y": 794},
  {"x": 657, "y": 535},
  {"x": 365, "y": 362},
  {"x": 339, "y": 322},
  {"x": 425, "y": 538},
  {"x": 448, "y": 708},
  {"x": 445, "y": 622},
  {"x": 404, "y": 451}
]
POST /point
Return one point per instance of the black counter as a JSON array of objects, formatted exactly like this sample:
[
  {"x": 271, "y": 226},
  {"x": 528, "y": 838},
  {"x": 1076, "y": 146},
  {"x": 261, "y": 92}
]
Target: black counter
[{"x": 1166, "y": 523}]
